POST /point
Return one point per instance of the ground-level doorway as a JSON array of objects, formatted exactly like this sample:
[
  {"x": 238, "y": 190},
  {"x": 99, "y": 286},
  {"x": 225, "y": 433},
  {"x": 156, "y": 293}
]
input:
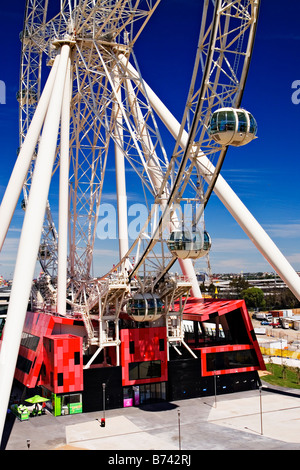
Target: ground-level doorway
[{"x": 136, "y": 395}]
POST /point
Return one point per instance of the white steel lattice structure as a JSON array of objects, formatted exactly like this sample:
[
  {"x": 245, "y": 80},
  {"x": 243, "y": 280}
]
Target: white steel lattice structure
[{"x": 95, "y": 101}]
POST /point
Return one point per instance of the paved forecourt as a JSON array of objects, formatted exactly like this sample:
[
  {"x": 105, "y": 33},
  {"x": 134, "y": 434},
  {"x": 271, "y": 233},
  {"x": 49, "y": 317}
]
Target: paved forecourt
[{"x": 242, "y": 421}]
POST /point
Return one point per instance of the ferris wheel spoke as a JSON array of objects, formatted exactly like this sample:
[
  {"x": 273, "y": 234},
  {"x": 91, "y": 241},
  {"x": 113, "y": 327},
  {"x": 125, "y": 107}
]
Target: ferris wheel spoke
[
  {"x": 208, "y": 97},
  {"x": 136, "y": 136}
]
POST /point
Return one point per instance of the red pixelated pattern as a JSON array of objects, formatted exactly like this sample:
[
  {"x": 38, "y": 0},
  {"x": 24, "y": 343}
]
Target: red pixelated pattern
[
  {"x": 29, "y": 369},
  {"x": 63, "y": 363},
  {"x": 146, "y": 348}
]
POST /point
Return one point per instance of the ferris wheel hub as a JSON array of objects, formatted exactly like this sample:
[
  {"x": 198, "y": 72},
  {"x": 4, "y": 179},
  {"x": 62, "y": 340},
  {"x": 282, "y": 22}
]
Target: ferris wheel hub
[{"x": 69, "y": 40}]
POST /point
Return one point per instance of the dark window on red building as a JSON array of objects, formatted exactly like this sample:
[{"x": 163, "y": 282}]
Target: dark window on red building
[
  {"x": 29, "y": 341},
  {"x": 131, "y": 347},
  {"x": 144, "y": 370},
  {"x": 24, "y": 364},
  {"x": 76, "y": 358},
  {"x": 60, "y": 379},
  {"x": 134, "y": 371},
  {"x": 231, "y": 360},
  {"x": 161, "y": 344},
  {"x": 43, "y": 370}
]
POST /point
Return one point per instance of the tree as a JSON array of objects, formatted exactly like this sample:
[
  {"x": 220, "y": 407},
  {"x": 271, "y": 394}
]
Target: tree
[
  {"x": 284, "y": 370},
  {"x": 254, "y": 297},
  {"x": 298, "y": 374},
  {"x": 237, "y": 285},
  {"x": 281, "y": 299}
]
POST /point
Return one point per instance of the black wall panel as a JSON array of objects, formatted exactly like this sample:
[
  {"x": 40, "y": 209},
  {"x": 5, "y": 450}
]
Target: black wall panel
[{"x": 92, "y": 396}]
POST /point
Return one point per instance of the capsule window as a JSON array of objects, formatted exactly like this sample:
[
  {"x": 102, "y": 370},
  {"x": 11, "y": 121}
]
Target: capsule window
[
  {"x": 222, "y": 119},
  {"x": 213, "y": 124},
  {"x": 230, "y": 121},
  {"x": 207, "y": 241},
  {"x": 253, "y": 125},
  {"x": 151, "y": 305},
  {"x": 242, "y": 125}
]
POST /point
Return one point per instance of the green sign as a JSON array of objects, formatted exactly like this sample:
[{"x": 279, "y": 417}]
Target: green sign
[{"x": 75, "y": 408}]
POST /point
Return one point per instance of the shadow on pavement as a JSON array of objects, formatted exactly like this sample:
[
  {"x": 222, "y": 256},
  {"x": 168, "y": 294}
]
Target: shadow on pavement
[
  {"x": 160, "y": 406},
  {"x": 9, "y": 423}
]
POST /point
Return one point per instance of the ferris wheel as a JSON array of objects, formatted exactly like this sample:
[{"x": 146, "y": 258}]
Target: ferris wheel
[
  {"x": 86, "y": 112},
  {"x": 80, "y": 55},
  {"x": 111, "y": 107}
]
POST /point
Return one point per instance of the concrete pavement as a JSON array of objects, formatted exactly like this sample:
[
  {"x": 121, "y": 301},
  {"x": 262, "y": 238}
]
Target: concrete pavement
[{"x": 241, "y": 421}]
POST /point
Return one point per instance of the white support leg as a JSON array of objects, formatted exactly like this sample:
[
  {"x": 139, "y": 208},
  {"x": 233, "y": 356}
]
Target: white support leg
[
  {"x": 117, "y": 337},
  {"x": 188, "y": 271},
  {"x": 120, "y": 174},
  {"x": 63, "y": 197},
  {"x": 96, "y": 353},
  {"x": 231, "y": 201},
  {"x": 15, "y": 184},
  {"x": 30, "y": 239}
]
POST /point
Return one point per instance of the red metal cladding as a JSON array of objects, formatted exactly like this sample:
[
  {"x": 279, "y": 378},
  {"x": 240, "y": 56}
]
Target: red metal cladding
[
  {"x": 139, "y": 346},
  {"x": 63, "y": 363},
  {"x": 37, "y": 326},
  {"x": 30, "y": 359},
  {"x": 205, "y": 307},
  {"x": 224, "y": 370},
  {"x": 143, "y": 345},
  {"x": 201, "y": 309}
]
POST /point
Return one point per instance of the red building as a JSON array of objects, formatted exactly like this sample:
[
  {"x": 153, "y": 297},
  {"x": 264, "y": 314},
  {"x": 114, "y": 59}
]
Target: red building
[
  {"x": 62, "y": 363},
  {"x": 219, "y": 349}
]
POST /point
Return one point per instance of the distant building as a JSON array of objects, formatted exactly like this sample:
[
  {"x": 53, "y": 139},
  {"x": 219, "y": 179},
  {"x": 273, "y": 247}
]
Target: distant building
[{"x": 266, "y": 283}]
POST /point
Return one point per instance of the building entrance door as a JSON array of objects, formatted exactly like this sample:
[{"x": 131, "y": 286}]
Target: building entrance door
[
  {"x": 142, "y": 394},
  {"x": 152, "y": 393}
]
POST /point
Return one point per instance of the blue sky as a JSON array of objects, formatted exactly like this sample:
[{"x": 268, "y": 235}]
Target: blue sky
[{"x": 264, "y": 174}]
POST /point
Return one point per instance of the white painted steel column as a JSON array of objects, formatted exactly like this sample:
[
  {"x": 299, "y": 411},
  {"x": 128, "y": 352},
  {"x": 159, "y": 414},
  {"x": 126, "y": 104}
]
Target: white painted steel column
[
  {"x": 30, "y": 239},
  {"x": 21, "y": 167},
  {"x": 188, "y": 271},
  {"x": 120, "y": 174},
  {"x": 237, "y": 209},
  {"x": 117, "y": 336},
  {"x": 64, "y": 196}
]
